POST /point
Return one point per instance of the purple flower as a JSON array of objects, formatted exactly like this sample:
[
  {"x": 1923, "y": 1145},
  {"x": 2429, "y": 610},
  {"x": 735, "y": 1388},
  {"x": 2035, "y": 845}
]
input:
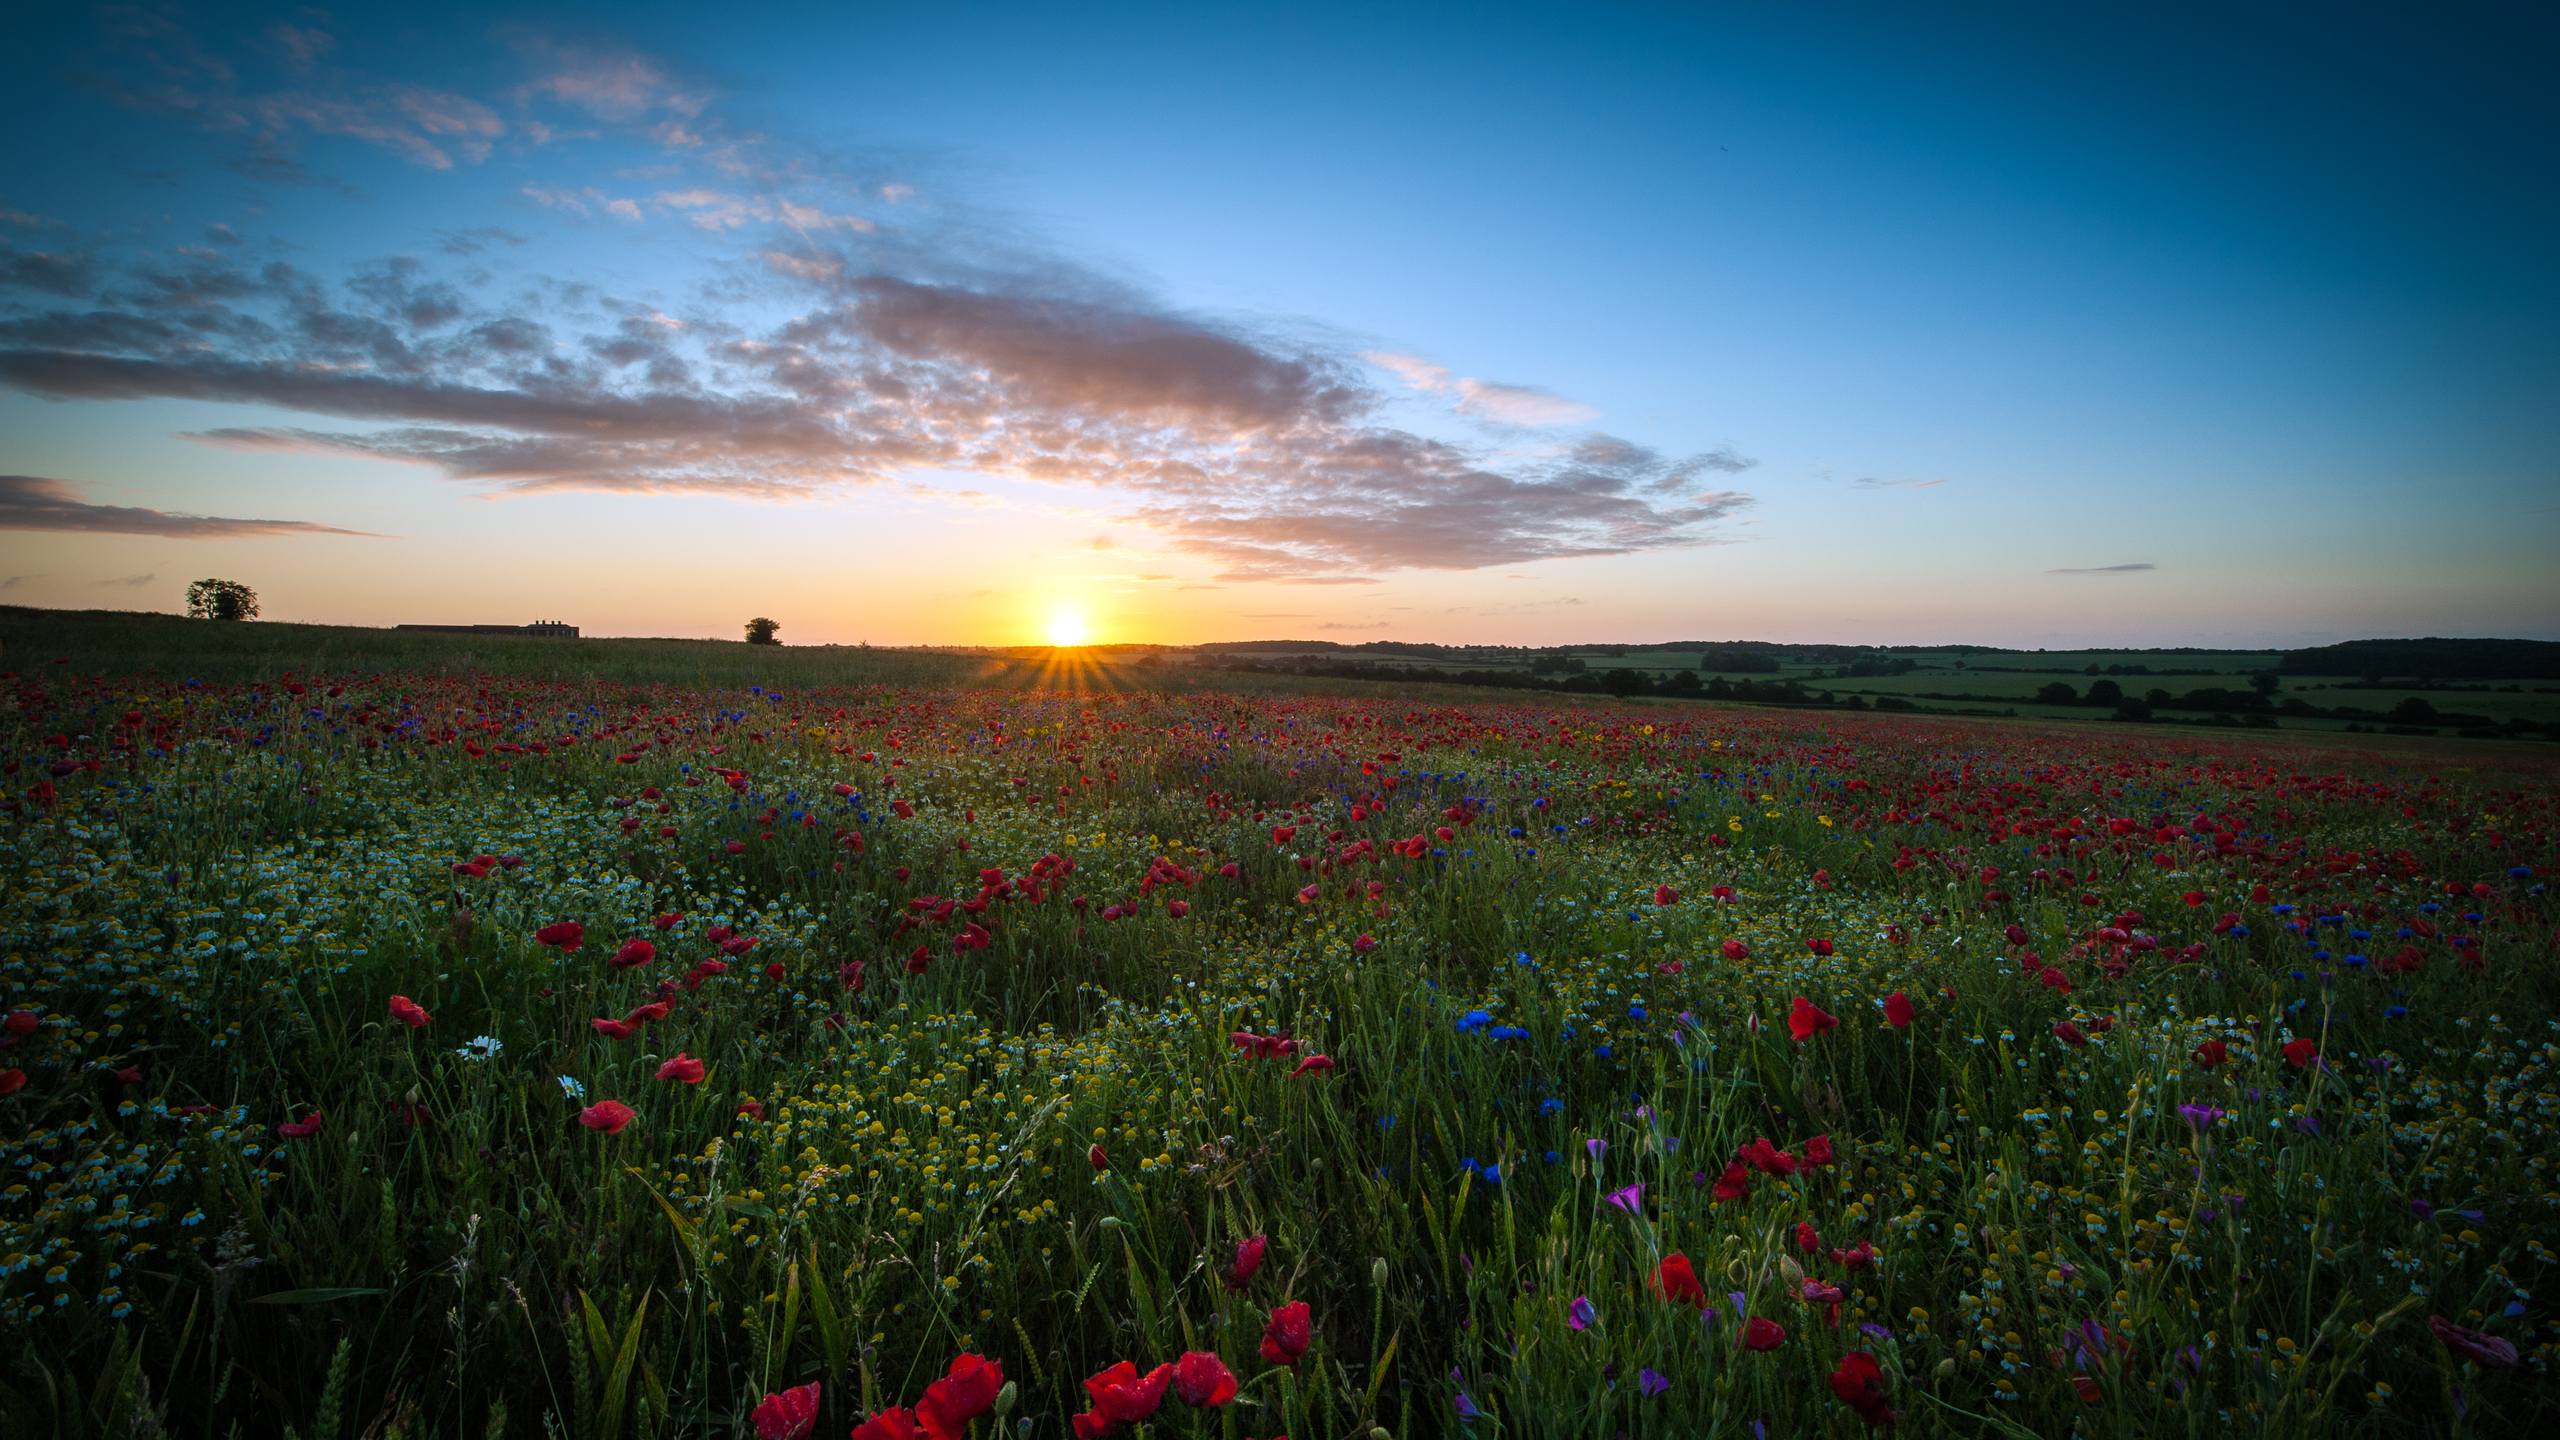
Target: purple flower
[
  {"x": 1597, "y": 1146},
  {"x": 1467, "y": 1408},
  {"x": 2201, "y": 1117},
  {"x": 1651, "y": 1382},
  {"x": 1629, "y": 1198},
  {"x": 1581, "y": 1313}
]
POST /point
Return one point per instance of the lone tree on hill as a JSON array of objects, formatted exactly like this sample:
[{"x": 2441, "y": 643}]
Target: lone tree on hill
[
  {"x": 221, "y": 600},
  {"x": 761, "y": 631}
]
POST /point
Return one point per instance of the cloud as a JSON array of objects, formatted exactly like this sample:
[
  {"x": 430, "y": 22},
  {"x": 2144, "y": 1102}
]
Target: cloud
[
  {"x": 135, "y": 582},
  {"x": 1261, "y": 455},
  {"x": 1520, "y": 405},
  {"x": 2134, "y": 569},
  {"x": 50, "y": 271},
  {"x": 1352, "y": 625},
  {"x": 583, "y": 201},
  {"x": 619, "y": 86},
  {"x": 160, "y": 67},
  {"x": 303, "y": 45},
  {"x": 476, "y": 239},
  {"x": 12, "y": 582},
  {"x": 844, "y": 334},
  {"x": 1870, "y": 482},
  {"x": 31, "y": 502}
]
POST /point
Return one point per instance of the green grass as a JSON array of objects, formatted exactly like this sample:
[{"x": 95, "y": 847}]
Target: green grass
[{"x": 870, "y": 1181}]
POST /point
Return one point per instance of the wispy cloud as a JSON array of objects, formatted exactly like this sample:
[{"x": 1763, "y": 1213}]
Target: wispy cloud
[
  {"x": 31, "y": 502},
  {"x": 12, "y": 582},
  {"x": 1870, "y": 482},
  {"x": 1521, "y": 405},
  {"x": 130, "y": 582},
  {"x": 2133, "y": 569}
]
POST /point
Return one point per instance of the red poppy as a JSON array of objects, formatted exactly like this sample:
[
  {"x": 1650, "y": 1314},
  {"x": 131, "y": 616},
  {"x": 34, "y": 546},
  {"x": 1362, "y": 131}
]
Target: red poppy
[
  {"x": 1819, "y": 945},
  {"x": 683, "y": 1067},
  {"x": 1249, "y": 1252},
  {"x": 12, "y": 1080},
  {"x": 1665, "y": 895},
  {"x": 1806, "y": 1020},
  {"x": 1202, "y": 1380},
  {"x": 1286, "y": 1335},
  {"x": 966, "y": 1391},
  {"x": 1099, "y": 1160},
  {"x": 1734, "y": 1183},
  {"x": 1312, "y": 1062},
  {"x": 1766, "y": 1158},
  {"x": 1736, "y": 950},
  {"x": 409, "y": 1012},
  {"x": 1859, "y": 1382},
  {"x": 22, "y": 1022},
  {"x": 787, "y": 1415},
  {"x": 894, "y": 1423},
  {"x": 302, "y": 1129},
  {"x": 1897, "y": 1010},
  {"x": 1808, "y": 1239},
  {"x": 2069, "y": 1034},
  {"x": 2212, "y": 1053},
  {"x": 1264, "y": 1047},
  {"x": 608, "y": 1116},
  {"x": 1817, "y": 1151},
  {"x": 634, "y": 952},
  {"x": 565, "y": 935},
  {"x": 1122, "y": 1396},
  {"x": 1761, "y": 1334},
  {"x": 2300, "y": 1053},
  {"x": 612, "y": 1029},
  {"x": 1676, "y": 1280}
]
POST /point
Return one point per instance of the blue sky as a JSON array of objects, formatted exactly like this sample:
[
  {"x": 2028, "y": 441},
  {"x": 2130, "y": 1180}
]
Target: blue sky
[{"x": 1842, "y": 324}]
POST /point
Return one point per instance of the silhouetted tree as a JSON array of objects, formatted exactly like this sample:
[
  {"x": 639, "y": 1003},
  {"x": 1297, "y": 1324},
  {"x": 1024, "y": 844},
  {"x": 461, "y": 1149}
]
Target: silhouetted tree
[
  {"x": 2105, "y": 692},
  {"x": 763, "y": 631},
  {"x": 2057, "y": 693},
  {"x": 221, "y": 600}
]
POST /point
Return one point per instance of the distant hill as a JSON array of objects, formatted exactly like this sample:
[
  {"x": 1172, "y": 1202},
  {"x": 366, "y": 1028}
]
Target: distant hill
[{"x": 2432, "y": 658}]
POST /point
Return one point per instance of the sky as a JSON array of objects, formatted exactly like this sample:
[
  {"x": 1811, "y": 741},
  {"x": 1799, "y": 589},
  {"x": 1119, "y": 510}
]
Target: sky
[{"x": 2052, "y": 326}]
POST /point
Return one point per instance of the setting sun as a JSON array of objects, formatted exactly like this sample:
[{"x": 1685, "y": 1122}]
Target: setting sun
[{"x": 1067, "y": 627}]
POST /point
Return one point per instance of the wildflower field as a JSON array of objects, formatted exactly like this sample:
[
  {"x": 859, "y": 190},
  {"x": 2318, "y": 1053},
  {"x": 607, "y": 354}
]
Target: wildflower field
[{"x": 475, "y": 1053}]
